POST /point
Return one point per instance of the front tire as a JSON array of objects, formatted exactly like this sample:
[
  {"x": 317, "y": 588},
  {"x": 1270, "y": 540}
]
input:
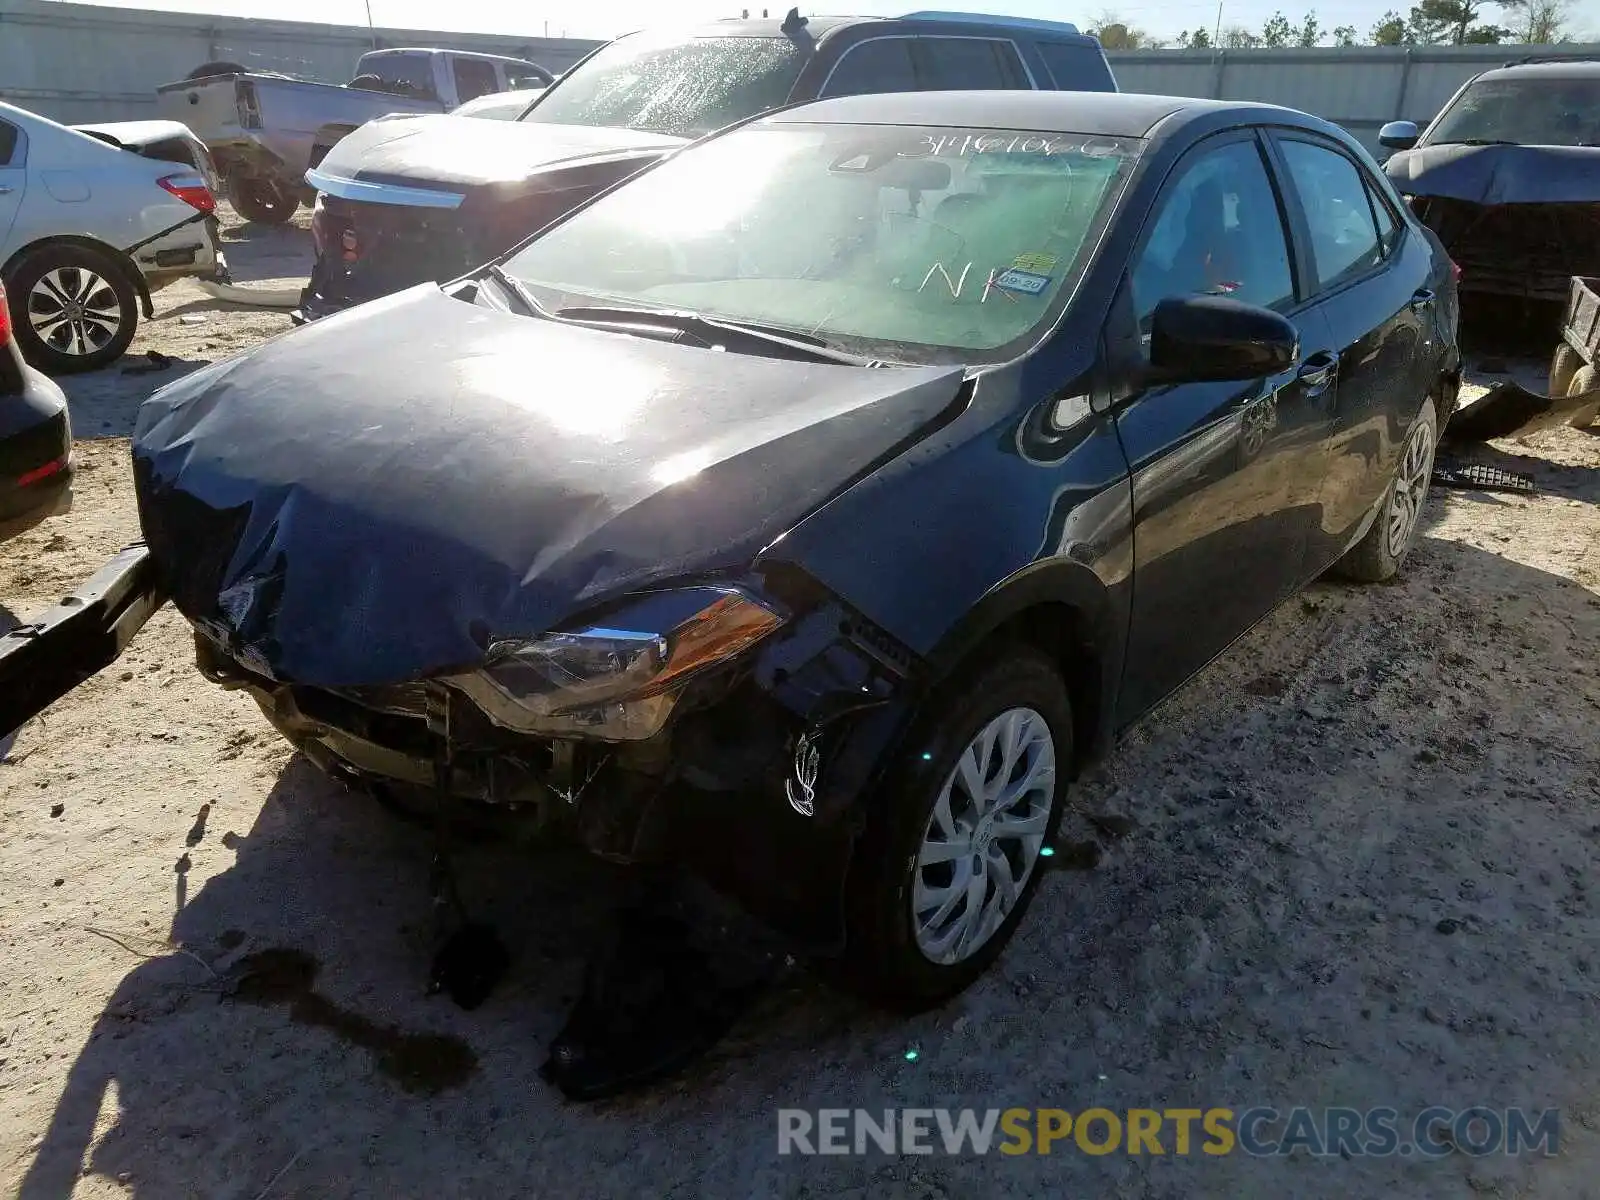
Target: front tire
[
  {"x": 950, "y": 857},
  {"x": 1379, "y": 555},
  {"x": 72, "y": 308},
  {"x": 264, "y": 201}
]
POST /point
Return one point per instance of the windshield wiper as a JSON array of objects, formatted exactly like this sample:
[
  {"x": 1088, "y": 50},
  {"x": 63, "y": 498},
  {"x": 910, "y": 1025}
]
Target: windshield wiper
[
  {"x": 518, "y": 291},
  {"x": 708, "y": 327}
]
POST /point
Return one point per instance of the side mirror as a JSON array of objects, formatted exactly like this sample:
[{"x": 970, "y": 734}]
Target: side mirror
[
  {"x": 1195, "y": 339},
  {"x": 1398, "y": 135}
]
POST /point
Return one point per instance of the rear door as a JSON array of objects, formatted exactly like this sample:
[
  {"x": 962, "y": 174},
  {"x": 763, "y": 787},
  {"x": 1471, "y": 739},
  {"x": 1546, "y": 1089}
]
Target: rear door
[
  {"x": 1218, "y": 535},
  {"x": 13, "y": 180},
  {"x": 1368, "y": 273}
]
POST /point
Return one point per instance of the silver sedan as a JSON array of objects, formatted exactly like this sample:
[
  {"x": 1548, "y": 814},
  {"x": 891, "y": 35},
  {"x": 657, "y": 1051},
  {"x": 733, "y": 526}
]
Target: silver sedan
[{"x": 92, "y": 220}]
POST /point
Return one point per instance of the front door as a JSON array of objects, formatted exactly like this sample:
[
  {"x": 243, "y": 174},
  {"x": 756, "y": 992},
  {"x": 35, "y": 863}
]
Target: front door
[{"x": 1218, "y": 537}]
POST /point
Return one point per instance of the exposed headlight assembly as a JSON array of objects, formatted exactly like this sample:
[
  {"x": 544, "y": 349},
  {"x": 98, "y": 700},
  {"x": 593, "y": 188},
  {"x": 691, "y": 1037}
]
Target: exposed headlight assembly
[{"x": 616, "y": 682}]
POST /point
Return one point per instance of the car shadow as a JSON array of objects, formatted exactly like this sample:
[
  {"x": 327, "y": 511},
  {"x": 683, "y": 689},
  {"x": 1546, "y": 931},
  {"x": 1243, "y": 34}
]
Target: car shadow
[{"x": 1247, "y": 930}]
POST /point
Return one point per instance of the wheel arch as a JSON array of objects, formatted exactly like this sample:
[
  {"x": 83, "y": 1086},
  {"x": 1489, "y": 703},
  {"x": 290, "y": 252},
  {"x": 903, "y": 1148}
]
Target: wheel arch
[
  {"x": 124, "y": 264},
  {"x": 1065, "y": 610}
]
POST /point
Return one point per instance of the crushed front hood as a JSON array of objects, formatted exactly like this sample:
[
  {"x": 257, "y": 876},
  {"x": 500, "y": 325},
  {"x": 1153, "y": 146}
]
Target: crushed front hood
[
  {"x": 1499, "y": 174},
  {"x": 467, "y": 152},
  {"x": 378, "y": 496}
]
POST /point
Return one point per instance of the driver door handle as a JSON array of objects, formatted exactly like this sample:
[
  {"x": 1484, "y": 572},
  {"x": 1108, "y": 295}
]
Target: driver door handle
[{"x": 1317, "y": 371}]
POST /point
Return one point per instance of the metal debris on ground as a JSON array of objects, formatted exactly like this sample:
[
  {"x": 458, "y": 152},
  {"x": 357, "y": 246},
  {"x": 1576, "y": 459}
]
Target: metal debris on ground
[{"x": 1482, "y": 477}]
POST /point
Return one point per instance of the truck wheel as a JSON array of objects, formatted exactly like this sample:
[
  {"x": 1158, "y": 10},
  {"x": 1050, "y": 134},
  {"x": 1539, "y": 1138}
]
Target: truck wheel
[
  {"x": 264, "y": 201},
  {"x": 1564, "y": 365},
  {"x": 72, "y": 308},
  {"x": 1585, "y": 379}
]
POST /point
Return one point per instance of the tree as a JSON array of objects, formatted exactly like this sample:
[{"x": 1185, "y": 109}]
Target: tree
[
  {"x": 1344, "y": 35},
  {"x": 1237, "y": 37},
  {"x": 1116, "y": 34},
  {"x": 1453, "y": 22},
  {"x": 1391, "y": 30},
  {"x": 1310, "y": 31},
  {"x": 1277, "y": 31},
  {"x": 1199, "y": 39},
  {"x": 1539, "y": 22}
]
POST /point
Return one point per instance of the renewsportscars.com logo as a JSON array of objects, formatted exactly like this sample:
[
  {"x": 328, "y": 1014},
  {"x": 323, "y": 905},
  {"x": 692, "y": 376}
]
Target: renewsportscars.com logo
[{"x": 1259, "y": 1131}]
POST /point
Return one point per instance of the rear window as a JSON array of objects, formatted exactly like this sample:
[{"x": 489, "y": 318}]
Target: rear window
[
  {"x": 969, "y": 64},
  {"x": 403, "y": 74},
  {"x": 674, "y": 85},
  {"x": 1074, "y": 68}
]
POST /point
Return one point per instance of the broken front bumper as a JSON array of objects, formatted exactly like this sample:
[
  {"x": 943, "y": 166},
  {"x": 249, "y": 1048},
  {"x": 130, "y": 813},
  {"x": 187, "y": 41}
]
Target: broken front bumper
[{"x": 45, "y": 659}]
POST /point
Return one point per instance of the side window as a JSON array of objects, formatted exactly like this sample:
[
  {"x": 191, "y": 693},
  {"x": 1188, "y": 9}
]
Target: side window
[
  {"x": 520, "y": 76},
  {"x": 1388, "y": 227},
  {"x": 474, "y": 78},
  {"x": 1344, "y": 240},
  {"x": 8, "y": 143},
  {"x": 1073, "y": 66},
  {"x": 951, "y": 64},
  {"x": 1217, "y": 231},
  {"x": 874, "y": 66}
]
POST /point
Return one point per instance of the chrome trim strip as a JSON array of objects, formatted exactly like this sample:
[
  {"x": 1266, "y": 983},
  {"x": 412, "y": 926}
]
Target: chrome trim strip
[{"x": 382, "y": 193}]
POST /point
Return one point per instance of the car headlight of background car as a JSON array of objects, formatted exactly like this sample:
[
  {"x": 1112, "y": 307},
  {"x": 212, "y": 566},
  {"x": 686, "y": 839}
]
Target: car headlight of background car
[{"x": 617, "y": 681}]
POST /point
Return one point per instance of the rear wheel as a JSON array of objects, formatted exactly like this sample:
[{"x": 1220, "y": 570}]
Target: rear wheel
[
  {"x": 1564, "y": 365},
  {"x": 264, "y": 201},
  {"x": 1378, "y": 556},
  {"x": 73, "y": 309},
  {"x": 951, "y": 856}
]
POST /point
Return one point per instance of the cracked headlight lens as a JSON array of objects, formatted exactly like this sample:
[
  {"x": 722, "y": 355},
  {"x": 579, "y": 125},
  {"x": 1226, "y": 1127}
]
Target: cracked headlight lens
[{"x": 613, "y": 682}]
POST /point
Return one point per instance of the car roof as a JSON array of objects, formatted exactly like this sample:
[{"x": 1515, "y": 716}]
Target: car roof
[
  {"x": 1110, "y": 114},
  {"x": 1572, "y": 68},
  {"x": 821, "y": 25}
]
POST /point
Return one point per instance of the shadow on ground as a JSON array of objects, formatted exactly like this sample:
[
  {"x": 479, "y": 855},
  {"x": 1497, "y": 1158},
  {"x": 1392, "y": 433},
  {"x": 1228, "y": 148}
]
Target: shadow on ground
[{"x": 1338, "y": 890}]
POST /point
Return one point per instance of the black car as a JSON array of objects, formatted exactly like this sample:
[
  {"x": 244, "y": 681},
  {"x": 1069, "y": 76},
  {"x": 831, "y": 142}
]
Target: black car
[
  {"x": 810, "y": 508},
  {"x": 408, "y": 199},
  {"x": 35, "y": 440},
  {"x": 1508, "y": 176}
]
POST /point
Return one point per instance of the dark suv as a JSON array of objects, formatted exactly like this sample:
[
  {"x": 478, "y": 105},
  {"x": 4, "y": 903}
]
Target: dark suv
[{"x": 410, "y": 199}]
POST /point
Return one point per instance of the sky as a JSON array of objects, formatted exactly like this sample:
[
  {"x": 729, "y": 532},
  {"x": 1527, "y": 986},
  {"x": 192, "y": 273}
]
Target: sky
[{"x": 607, "y": 18}]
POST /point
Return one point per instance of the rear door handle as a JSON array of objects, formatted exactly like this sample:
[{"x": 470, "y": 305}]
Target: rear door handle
[
  {"x": 1420, "y": 299},
  {"x": 1317, "y": 371},
  {"x": 5, "y": 189}
]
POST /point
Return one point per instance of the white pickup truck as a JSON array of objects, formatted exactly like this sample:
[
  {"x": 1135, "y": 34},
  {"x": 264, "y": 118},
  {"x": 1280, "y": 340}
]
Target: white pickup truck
[{"x": 264, "y": 129}]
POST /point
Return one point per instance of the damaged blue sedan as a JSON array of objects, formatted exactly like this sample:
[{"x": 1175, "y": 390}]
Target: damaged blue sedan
[{"x": 811, "y": 508}]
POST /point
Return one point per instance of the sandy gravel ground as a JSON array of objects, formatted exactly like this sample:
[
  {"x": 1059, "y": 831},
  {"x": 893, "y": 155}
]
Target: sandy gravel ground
[{"x": 1359, "y": 870}]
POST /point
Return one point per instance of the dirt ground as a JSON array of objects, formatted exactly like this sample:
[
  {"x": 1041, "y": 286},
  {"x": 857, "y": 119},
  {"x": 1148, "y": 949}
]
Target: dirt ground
[{"x": 1359, "y": 870}]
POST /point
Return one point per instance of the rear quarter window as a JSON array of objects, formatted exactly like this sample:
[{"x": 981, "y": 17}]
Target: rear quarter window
[
  {"x": 1075, "y": 68},
  {"x": 8, "y": 143}
]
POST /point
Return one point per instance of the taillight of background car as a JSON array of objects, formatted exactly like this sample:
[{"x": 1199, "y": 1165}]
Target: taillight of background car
[
  {"x": 5, "y": 319},
  {"x": 1455, "y": 271},
  {"x": 190, "y": 187},
  {"x": 331, "y": 231}
]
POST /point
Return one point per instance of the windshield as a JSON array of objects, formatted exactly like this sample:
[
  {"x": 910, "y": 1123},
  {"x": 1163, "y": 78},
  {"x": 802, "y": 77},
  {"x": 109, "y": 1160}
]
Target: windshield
[
  {"x": 906, "y": 244},
  {"x": 676, "y": 85},
  {"x": 1529, "y": 112}
]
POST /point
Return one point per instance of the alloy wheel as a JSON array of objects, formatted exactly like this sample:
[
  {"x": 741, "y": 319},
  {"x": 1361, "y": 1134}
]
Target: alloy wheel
[
  {"x": 1410, "y": 489},
  {"x": 74, "y": 311},
  {"x": 984, "y": 835}
]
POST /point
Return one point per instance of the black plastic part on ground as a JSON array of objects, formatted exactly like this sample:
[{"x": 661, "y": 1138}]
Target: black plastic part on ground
[{"x": 662, "y": 991}]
